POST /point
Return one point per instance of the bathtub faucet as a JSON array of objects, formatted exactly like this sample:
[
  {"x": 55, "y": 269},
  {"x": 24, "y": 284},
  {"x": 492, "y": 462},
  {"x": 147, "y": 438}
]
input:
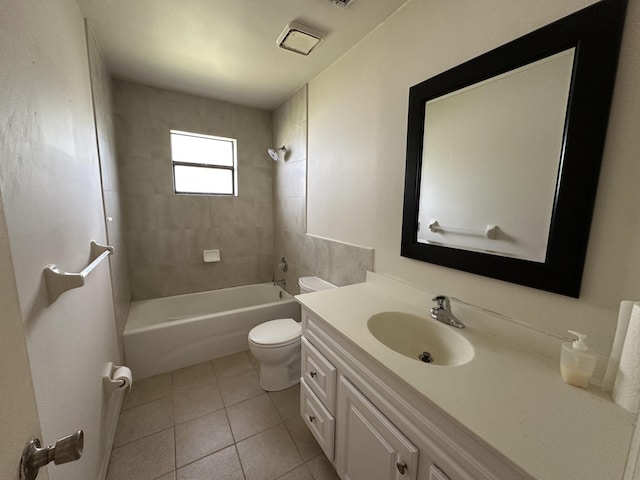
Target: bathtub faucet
[{"x": 279, "y": 283}]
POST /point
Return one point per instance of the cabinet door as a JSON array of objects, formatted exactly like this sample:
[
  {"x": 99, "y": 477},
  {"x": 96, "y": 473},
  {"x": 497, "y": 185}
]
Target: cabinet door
[{"x": 368, "y": 445}]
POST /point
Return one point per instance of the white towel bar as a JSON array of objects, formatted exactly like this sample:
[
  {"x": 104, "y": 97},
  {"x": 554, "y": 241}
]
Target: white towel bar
[
  {"x": 59, "y": 281},
  {"x": 490, "y": 231}
]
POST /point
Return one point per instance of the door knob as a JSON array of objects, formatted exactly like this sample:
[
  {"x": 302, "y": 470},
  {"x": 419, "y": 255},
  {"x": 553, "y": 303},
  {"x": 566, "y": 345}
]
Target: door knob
[{"x": 34, "y": 457}]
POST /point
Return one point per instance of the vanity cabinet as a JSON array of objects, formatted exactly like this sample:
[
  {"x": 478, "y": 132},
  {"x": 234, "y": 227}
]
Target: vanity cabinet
[
  {"x": 371, "y": 426},
  {"x": 369, "y": 446}
]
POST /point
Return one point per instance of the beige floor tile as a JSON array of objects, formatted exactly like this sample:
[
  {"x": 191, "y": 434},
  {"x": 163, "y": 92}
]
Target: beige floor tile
[
  {"x": 287, "y": 402},
  {"x": 268, "y": 455},
  {"x": 300, "y": 473},
  {"x": 195, "y": 375},
  {"x": 254, "y": 360},
  {"x": 144, "y": 420},
  {"x": 321, "y": 469},
  {"x": 147, "y": 390},
  {"x": 303, "y": 438},
  {"x": 195, "y": 401},
  {"x": 232, "y": 364},
  {"x": 252, "y": 416},
  {"x": 168, "y": 476},
  {"x": 144, "y": 459},
  {"x": 239, "y": 387},
  {"x": 223, "y": 465},
  {"x": 202, "y": 436}
]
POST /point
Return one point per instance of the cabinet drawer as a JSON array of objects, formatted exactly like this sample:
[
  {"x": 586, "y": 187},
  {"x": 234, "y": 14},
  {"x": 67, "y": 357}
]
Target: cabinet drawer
[
  {"x": 321, "y": 423},
  {"x": 319, "y": 374}
]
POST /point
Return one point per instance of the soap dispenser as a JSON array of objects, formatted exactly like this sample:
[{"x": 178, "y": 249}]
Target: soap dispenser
[{"x": 576, "y": 362}]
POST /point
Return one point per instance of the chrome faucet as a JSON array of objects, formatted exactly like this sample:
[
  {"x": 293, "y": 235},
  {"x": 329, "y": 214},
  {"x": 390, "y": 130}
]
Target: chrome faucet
[
  {"x": 442, "y": 312},
  {"x": 279, "y": 283}
]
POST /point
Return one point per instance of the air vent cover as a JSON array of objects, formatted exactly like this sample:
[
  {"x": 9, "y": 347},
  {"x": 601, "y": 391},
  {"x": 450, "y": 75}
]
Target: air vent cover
[
  {"x": 341, "y": 3},
  {"x": 299, "y": 38}
]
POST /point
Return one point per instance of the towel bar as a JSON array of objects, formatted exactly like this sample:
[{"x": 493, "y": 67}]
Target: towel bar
[{"x": 59, "y": 281}]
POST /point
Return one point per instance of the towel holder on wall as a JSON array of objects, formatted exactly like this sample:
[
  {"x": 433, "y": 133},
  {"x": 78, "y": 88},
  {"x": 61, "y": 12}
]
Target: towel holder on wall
[{"x": 59, "y": 281}]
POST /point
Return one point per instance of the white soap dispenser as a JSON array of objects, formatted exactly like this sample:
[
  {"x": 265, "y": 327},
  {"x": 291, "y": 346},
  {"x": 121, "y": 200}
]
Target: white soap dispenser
[{"x": 576, "y": 363}]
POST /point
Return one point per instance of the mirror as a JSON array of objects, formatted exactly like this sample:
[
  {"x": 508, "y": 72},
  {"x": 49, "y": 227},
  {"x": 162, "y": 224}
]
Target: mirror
[{"x": 504, "y": 152}]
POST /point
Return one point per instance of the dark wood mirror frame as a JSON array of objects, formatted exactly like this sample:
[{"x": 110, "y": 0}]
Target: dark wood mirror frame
[{"x": 596, "y": 33}]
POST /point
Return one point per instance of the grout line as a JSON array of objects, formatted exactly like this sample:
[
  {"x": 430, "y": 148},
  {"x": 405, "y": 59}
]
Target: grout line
[
  {"x": 142, "y": 438},
  {"x": 244, "y": 475}
]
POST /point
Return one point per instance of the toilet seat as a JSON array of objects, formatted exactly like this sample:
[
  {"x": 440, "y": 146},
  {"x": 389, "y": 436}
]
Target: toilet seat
[{"x": 276, "y": 333}]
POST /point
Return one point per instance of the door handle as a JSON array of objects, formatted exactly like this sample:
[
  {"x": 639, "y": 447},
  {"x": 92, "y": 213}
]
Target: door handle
[{"x": 34, "y": 457}]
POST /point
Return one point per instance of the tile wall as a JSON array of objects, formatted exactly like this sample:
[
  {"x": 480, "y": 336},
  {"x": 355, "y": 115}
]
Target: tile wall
[
  {"x": 166, "y": 233},
  {"x": 340, "y": 263},
  {"x": 102, "y": 103}
]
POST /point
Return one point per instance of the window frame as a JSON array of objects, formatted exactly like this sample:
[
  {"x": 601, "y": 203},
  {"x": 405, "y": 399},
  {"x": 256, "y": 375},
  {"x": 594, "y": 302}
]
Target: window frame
[{"x": 233, "y": 168}]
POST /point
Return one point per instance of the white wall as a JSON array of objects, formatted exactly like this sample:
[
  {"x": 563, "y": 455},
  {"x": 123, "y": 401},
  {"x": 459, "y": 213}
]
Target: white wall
[
  {"x": 50, "y": 186},
  {"x": 357, "y": 135}
]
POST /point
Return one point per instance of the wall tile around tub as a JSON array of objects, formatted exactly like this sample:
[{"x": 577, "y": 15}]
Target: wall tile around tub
[
  {"x": 308, "y": 256},
  {"x": 205, "y": 276},
  {"x": 181, "y": 211},
  {"x": 255, "y": 181},
  {"x": 135, "y": 183},
  {"x": 295, "y": 180},
  {"x": 238, "y": 241},
  {"x": 162, "y": 176},
  {"x": 139, "y": 212},
  {"x": 298, "y": 146},
  {"x": 142, "y": 287},
  {"x": 144, "y": 117},
  {"x": 170, "y": 247},
  {"x": 264, "y": 238},
  {"x": 199, "y": 239},
  {"x": 141, "y": 247}
]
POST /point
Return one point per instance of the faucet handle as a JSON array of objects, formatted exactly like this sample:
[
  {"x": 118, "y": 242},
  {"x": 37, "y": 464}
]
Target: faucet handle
[{"x": 442, "y": 302}]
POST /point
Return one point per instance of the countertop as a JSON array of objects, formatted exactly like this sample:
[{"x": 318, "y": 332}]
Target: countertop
[{"x": 512, "y": 398}]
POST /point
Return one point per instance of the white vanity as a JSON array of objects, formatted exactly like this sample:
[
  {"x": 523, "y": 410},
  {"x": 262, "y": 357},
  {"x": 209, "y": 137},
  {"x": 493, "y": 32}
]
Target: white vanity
[{"x": 503, "y": 413}]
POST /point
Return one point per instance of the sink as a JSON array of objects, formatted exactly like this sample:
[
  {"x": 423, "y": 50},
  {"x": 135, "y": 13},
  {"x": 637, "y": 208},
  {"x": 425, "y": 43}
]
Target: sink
[{"x": 412, "y": 336}]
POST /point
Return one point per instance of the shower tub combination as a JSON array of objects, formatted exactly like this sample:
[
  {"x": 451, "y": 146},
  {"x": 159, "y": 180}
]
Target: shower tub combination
[{"x": 164, "y": 334}]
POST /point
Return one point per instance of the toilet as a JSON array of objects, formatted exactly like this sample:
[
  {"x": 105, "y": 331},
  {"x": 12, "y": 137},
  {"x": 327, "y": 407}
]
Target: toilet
[{"x": 276, "y": 344}]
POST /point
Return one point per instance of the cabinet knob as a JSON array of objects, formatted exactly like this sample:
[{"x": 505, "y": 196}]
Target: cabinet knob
[
  {"x": 402, "y": 467},
  {"x": 312, "y": 418},
  {"x": 313, "y": 374}
]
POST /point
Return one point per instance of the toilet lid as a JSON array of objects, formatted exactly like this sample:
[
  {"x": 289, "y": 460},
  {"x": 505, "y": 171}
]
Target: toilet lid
[{"x": 274, "y": 332}]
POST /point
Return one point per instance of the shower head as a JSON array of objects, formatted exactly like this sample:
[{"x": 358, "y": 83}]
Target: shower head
[{"x": 274, "y": 153}]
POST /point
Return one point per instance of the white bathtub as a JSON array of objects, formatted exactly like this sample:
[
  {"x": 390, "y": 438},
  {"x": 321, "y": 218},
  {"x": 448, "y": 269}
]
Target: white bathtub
[{"x": 164, "y": 334}]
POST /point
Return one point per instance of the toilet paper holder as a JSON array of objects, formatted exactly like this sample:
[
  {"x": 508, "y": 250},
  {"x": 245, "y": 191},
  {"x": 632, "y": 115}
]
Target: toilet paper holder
[{"x": 110, "y": 384}]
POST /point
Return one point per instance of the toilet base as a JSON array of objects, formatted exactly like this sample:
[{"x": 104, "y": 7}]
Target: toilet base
[{"x": 273, "y": 379}]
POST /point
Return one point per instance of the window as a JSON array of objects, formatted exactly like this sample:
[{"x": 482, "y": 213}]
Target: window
[{"x": 203, "y": 164}]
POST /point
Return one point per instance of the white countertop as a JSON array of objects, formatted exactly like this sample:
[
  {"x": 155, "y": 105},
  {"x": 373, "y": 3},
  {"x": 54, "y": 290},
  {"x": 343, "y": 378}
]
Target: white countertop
[{"x": 511, "y": 398}]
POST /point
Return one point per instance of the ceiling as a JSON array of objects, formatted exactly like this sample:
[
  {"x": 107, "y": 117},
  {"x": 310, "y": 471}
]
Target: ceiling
[{"x": 226, "y": 49}]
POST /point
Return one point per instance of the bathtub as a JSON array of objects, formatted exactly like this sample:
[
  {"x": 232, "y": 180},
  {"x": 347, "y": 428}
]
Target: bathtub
[{"x": 164, "y": 334}]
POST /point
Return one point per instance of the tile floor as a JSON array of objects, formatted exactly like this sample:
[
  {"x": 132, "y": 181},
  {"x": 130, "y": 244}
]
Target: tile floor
[{"x": 212, "y": 421}]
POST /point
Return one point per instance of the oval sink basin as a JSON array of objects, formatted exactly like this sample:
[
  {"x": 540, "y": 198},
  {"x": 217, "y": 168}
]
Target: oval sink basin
[{"x": 413, "y": 336}]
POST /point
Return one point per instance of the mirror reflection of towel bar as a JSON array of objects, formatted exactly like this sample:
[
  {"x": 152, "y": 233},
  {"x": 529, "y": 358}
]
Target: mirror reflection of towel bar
[{"x": 490, "y": 231}]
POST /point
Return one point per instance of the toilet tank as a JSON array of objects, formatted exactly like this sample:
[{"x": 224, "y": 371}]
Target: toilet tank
[{"x": 313, "y": 284}]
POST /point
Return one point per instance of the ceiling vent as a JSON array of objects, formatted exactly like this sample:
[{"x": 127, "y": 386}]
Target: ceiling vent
[
  {"x": 299, "y": 38},
  {"x": 341, "y": 3}
]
